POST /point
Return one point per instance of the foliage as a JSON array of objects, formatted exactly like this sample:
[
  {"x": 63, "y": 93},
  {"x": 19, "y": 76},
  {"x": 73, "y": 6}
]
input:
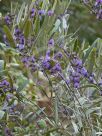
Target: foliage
[
  {"x": 39, "y": 57},
  {"x": 82, "y": 19}
]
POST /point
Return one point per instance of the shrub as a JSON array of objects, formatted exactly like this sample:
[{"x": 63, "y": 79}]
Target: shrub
[{"x": 39, "y": 57}]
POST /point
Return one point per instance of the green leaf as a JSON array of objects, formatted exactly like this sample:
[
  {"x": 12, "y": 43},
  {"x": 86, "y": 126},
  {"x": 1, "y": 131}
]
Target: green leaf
[
  {"x": 76, "y": 45},
  {"x": 75, "y": 127},
  {"x": 64, "y": 23},
  {"x": 20, "y": 14},
  {"x": 42, "y": 123},
  {"x": 54, "y": 5},
  {"x": 99, "y": 133},
  {"x": 36, "y": 25},
  {"x": 27, "y": 28},
  {"x": 56, "y": 27},
  {"x": 1, "y": 65},
  {"x": 22, "y": 82},
  {"x": 2, "y": 46},
  {"x": 9, "y": 36},
  {"x": 1, "y": 114},
  {"x": 91, "y": 61},
  {"x": 87, "y": 51},
  {"x": 82, "y": 100},
  {"x": 89, "y": 111}
]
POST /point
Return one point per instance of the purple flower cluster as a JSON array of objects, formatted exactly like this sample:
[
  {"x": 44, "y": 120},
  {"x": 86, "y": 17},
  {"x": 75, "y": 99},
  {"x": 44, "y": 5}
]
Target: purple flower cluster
[
  {"x": 4, "y": 83},
  {"x": 51, "y": 43},
  {"x": 46, "y": 61},
  {"x": 7, "y": 132},
  {"x": 56, "y": 68},
  {"x": 58, "y": 55},
  {"x": 51, "y": 63},
  {"x": 32, "y": 13},
  {"x": 5, "y": 86},
  {"x": 98, "y": 2},
  {"x": 40, "y": 12},
  {"x": 8, "y": 19},
  {"x": 19, "y": 38},
  {"x": 50, "y": 13},
  {"x": 96, "y": 7},
  {"x": 30, "y": 62},
  {"x": 77, "y": 72},
  {"x": 74, "y": 78}
]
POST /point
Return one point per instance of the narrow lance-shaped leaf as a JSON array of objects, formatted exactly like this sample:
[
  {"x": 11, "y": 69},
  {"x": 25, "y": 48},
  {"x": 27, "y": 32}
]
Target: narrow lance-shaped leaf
[
  {"x": 91, "y": 61},
  {"x": 9, "y": 36},
  {"x": 20, "y": 14},
  {"x": 88, "y": 50},
  {"x": 76, "y": 45},
  {"x": 54, "y": 5},
  {"x": 56, "y": 27},
  {"x": 37, "y": 25},
  {"x": 2, "y": 114},
  {"x": 1, "y": 65},
  {"x": 27, "y": 28},
  {"x": 22, "y": 82}
]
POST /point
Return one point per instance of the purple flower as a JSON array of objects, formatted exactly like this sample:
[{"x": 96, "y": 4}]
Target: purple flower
[
  {"x": 50, "y": 12},
  {"x": 67, "y": 81},
  {"x": 58, "y": 55},
  {"x": 77, "y": 62},
  {"x": 46, "y": 61},
  {"x": 8, "y": 20},
  {"x": 91, "y": 79},
  {"x": 5, "y": 82},
  {"x": 22, "y": 40},
  {"x": 25, "y": 60},
  {"x": 7, "y": 132},
  {"x": 19, "y": 38},
  {"x": 6, "y": 89},
  {"x": 9, "y": 97},
  {"x": 99, "y": 14},
  {"x": 71, "y": 77},
  {"x": 20, "y": 46},
  {"x": 17, "y": 31},
  {"x": 32, "y": 59},
  {"x": 56, "y": 68},
  {"x": 75, "y": 74},
  {"x": 48, "y": 53},
  {"x": 76, "y": 85},
  {"x": 46, "y": 64},
  {"x": 84, "y": 72},
  {"x": 51, "y": 42},
  {"x": 32, "y": 13},
  {"x": 99, "y": 1},
  {"x": 76, "y": 79},
  {"x": 41, "y": 12},
  {"x": 18, "y": 35},
  {"x": 97, "y": 4}
]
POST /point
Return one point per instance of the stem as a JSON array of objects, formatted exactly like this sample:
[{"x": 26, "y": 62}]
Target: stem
[
  {"x": 76, "y": 99},
  {"x": 56, "y": 108}
]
